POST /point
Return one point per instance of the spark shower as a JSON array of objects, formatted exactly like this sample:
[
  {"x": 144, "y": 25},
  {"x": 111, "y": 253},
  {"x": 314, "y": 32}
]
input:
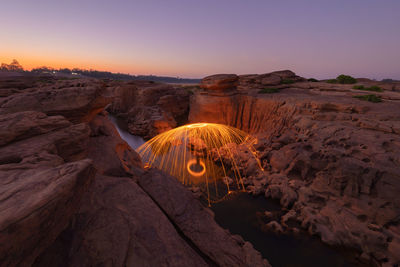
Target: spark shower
[{"x": 201, "y": 155}]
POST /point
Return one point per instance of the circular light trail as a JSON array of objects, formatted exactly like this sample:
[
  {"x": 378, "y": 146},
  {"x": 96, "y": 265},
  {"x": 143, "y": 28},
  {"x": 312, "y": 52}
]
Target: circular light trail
[{"x": 193, "y": 162}]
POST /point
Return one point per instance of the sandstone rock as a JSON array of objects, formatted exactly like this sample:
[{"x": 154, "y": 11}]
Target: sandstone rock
[
  {"x": 329, "y": 158},
  {"x": 151, "y": 108},
  {"x": 274, "y": 226},
  {"x": 277, "y": 79},
  {"x": 21, "y": 125},
  {"x": 75, "y": 103},
  {"x": 196, "y": 223},
  {"x": 243, "y": 112},
  {"x": 124, "y": 96},
  {"x": 219, "y": 82},
  {"x": 291, "y": 214},
  {"x": 268, "y": 214},
  {"x": 119, "y": 224},
  {"x": 270, "y": 80},
  {"x": 149, "y": 121},
  {"x": 50, "y": 149},
  {"x": 36, "y": 206},
  {"x": 284, "y": 74},
  {"x": 111, "y": 155}
]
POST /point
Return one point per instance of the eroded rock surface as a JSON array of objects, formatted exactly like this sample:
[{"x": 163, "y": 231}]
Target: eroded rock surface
[
  {"x": 197, "y": 223},
  {"x": 69, "y": 194},
  {"x": 119, "y": 225},
  {"x": 76, "y": 100},
  {"x": 220, "y": 82},
  {"x": 43, "y": 176},
  {"x": 276, "y": 78},
  {"x": 151, "y": 108},
  {"x": 332, "y": 160}
]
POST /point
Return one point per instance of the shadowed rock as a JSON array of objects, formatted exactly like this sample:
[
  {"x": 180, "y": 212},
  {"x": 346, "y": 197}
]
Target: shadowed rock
[
  {"x": 21, "y": 125},
  {"x": 219, "y": 82},
  {"x": 36, "y": 206},
  {"x": 197, "y": 223},
  {"x": 119, "y": 225}
]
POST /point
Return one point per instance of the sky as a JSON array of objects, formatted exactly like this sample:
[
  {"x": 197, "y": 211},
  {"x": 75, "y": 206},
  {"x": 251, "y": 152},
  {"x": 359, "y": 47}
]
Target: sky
[{"x": 196, "y": 38}]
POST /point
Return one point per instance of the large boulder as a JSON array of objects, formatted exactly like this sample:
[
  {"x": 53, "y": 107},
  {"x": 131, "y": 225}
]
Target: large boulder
[
  {"x": 111, "y": 155},
  {"x": 277, "y": 78},
  {"x": 36, "y": 205},
  {"x": 220, "y": 82}
]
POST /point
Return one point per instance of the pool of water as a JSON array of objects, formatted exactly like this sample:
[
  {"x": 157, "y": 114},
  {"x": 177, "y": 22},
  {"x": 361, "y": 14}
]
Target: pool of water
[{"x": 241, "y": 213}]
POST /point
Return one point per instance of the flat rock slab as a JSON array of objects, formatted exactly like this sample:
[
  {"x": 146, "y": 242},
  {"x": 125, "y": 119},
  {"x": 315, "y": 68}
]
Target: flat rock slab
[
  {"x": 119, "y": 225},
  {"x": 197, "y": 223},
  {"x": 21, "y": 125},
  {"x": 34, "y": 202}
]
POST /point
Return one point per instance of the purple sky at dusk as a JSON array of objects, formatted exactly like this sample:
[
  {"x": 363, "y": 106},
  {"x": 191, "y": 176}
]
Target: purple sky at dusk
[{"x": 195, "y": 38}]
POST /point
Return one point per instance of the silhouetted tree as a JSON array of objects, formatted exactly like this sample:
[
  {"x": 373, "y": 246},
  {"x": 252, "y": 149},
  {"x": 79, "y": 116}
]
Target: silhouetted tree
[{"x": 13, "y": 66}]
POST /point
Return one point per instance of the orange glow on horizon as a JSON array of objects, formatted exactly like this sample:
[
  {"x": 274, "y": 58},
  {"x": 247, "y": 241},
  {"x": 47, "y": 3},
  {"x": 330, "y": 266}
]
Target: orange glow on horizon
[{"x": 29, "y": 62}]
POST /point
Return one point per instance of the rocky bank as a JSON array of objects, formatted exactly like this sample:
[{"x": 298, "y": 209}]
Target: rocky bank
[{"x": 330, "y": 158}]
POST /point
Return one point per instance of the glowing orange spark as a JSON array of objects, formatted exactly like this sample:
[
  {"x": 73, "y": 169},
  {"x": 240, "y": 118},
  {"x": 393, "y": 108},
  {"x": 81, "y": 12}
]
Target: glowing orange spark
[{"x": 201, "y": 154}]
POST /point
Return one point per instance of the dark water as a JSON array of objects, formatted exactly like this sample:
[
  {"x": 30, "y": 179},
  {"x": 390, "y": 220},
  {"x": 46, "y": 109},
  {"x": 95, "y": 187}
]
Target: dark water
[{"x": 241, "y": 214}]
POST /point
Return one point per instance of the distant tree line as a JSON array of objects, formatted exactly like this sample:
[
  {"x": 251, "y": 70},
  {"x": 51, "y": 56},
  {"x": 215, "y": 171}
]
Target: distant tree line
[{"x": 14, "y": 66}]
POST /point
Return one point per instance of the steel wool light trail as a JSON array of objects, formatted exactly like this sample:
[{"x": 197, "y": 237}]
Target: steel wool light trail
[{"x": 202, "y": 155}]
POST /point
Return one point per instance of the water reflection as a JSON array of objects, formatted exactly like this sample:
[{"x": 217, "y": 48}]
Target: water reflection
[{"x": 133, "y": 141}]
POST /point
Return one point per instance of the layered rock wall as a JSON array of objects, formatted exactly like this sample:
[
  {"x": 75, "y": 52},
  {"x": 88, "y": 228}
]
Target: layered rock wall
[{"x": 331, "y": 159}]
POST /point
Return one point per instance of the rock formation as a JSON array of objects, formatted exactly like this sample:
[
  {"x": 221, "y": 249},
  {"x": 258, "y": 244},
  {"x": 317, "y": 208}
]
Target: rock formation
[
  {"x": 331, "y": 159},
  {"x": 220, "y": 82},
  {"x": 259, "y": 81},
  {"x": 70, "y": 194},
  {"x": 150, "y": 108},
  {"x": 75, "y": 194}
]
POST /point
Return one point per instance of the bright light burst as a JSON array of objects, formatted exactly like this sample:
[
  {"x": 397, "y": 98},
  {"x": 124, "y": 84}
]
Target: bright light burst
[{"x": 202, "y": 155}]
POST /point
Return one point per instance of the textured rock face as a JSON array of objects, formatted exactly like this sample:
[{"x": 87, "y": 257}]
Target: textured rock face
[
  {"x": 110, "y": 154},
  {"x": 39, "y": 191},
  {"x": 260, "y": 81},
  {"x": 197, "y": 224},
  {"x": 36, "y": 205},
  {"x": 119, "y": 224},
  {"x": 17, "y": 126},
  {"x": 241, "y": 111},
  {"x": 220, "y": 82},
  {"x": 69, "y": 194},
  {"x": 74, "y": 100},
  {"x": 150, "y": 108},
  {"x": 331, "y": 160}
]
